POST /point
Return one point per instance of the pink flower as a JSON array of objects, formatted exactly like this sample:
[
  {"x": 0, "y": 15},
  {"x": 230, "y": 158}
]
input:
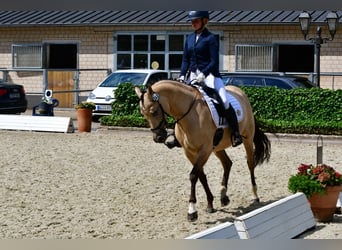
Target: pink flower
[
  {"x": 317, "y": 170},
  {"x": 323, "y": 177}
]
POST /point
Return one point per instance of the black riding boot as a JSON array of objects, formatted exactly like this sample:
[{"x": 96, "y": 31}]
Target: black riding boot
[
  {"x": 233, "y": 123},
  {"x": 172, "y": 143}
]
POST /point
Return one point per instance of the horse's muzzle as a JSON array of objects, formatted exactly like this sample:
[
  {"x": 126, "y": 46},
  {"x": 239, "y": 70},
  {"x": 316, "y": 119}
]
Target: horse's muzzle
[{"x": 159, "y": 135}]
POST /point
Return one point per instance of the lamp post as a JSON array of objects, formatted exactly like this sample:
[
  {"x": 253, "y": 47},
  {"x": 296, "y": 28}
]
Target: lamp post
[{"x": 305, "y": 21}]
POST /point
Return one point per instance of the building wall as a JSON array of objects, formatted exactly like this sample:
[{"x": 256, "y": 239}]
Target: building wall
[
  {"x": 331, "y": 52},
  {"x": 96, "y": 49},
  {"x": 95, "y": 52}
]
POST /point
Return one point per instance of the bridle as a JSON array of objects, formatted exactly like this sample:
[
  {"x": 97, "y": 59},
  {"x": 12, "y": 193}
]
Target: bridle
[{"x": 162, "y": 123}]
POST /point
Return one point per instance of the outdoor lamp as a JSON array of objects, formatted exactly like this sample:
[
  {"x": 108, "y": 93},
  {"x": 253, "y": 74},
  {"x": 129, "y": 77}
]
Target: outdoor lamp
[
  {"x": 305, "y": 19},
  {"x": 332, "y": 20}
]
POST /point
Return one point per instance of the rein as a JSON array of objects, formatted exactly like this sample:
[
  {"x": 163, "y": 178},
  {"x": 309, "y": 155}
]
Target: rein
[{"x": 187, "y": 112}]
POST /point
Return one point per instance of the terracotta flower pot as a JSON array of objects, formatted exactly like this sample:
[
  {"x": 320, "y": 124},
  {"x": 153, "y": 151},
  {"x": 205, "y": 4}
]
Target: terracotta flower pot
[
  {"x": 84, "y": 119},
  {"x": 324, "y": 206}
]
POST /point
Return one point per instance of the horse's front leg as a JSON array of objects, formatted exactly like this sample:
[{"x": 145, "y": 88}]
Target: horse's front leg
[
  {"x": 196, "y": 174},
  {"x": 192, "y": 213}
]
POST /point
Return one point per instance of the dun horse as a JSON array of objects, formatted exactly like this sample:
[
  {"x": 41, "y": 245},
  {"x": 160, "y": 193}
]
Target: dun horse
[{"x": 195, "y": 130}]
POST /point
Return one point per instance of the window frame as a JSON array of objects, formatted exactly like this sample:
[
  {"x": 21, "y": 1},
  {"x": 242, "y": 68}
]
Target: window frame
[
  {"x": 39, "y": 55},
  {"x": 166, "y": 53},
  {"x": 259, "y": 51}
]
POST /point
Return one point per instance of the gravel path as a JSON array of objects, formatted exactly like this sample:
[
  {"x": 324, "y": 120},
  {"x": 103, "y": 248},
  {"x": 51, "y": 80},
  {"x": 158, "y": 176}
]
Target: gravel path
[{"x": 119, "y": 184}]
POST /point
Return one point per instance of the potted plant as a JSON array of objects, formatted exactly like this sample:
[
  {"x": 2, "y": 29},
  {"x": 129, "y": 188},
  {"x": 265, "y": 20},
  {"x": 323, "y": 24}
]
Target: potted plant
[
  {"x": 321, "y": 184},
  {"x": 84, "y": 116}
]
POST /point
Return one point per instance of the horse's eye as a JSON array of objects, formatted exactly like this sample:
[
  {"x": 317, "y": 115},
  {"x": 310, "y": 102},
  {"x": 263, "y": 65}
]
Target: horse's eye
[{"x": 154, "y": 112}]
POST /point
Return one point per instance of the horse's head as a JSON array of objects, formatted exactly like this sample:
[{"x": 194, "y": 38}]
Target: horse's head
[{"x": 153, "y": 112}]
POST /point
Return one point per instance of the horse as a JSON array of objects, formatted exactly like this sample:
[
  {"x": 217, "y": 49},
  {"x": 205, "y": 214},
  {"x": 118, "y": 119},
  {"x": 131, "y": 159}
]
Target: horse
[{"x": 195, "y": 129}]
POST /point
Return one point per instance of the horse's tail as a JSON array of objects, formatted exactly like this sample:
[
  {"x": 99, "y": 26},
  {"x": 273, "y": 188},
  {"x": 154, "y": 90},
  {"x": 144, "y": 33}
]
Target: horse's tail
[{"x": 262, "y": 151}]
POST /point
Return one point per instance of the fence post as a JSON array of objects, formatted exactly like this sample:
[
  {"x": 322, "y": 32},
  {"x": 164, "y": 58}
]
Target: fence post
[
  {"x": 4, "y": 75},
  {"x": 77, "y": 86},
  {"x": 45, "y": 80},
  {"x": 319, "y": 150}
]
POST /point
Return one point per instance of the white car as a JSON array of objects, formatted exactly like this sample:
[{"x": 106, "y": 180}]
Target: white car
[{"x": 103, "y": 94}]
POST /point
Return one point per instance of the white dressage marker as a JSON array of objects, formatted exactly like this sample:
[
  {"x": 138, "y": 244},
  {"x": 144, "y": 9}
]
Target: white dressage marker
[
  {"x": 339, "y": 201},
  {"x": 225, "y": 230},
  {"x": 283, "y": 219},
  {"x": 37, "y": 123}
]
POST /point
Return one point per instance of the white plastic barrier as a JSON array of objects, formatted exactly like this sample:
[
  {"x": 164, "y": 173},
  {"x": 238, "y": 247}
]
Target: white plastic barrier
[
  {"x": 339, "y": 200},
  {"x": 225, "y": 230},
  {"x": 283, "y": 219},
  {"x": 37, "y": 123}
]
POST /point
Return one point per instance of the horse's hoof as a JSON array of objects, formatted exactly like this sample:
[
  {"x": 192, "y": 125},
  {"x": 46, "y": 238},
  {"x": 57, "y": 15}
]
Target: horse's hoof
[
  {"x": 225, "y": 201},
  {"x": 210, "y": 210},
  {"x": 193, "y": 216},
  {"x": 256, "y": 200}
]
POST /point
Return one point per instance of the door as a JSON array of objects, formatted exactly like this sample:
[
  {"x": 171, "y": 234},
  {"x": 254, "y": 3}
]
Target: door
[
  {"x": 62, "y": 85},
  {"x": 61, "y": 64}
]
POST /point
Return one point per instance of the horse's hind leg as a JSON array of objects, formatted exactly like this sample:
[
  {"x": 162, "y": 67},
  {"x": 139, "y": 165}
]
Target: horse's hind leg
[
  {"x": 251, "y": 166},
  {"x": 226, "y": 164}
]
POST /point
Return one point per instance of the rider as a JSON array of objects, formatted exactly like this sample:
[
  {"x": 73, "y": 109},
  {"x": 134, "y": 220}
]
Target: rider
[{"x": 201, "y": 58}]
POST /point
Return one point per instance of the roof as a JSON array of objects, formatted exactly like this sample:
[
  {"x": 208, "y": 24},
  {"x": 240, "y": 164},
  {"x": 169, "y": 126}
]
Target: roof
[{"x": 96, "y": 17}]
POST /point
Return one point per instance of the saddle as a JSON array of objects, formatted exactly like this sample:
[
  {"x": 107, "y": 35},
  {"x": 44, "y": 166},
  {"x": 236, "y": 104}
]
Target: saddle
[
  {"x": 215, "y": 99},
  {"x": 219, "y": 106}
]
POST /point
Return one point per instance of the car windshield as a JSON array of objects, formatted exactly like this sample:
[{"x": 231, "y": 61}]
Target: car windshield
[
  {"x": 117, "y": 78},
  {"x": 303, "y": 82}
]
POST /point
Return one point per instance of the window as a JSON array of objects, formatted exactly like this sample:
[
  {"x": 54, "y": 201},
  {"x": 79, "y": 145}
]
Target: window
[
  {"x": 147, "y": 51},
  {"x": 254, "y": 57},
  {"x": 276, "y": 83},
  {"x": 247, "y": 81},
  {"x": 27, "y": 56},
  {"x": 284, "y": 57},
  {"x": 157, "y": 50},
  {"x": 61, "y": 56}
]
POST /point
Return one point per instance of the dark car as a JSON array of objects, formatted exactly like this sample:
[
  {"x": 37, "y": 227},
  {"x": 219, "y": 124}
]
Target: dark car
[
  {"x": 12, "y": 98},
  {"x": 266, "y": 80}
]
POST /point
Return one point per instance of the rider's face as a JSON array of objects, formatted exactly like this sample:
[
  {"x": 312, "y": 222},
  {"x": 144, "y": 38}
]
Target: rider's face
[
  {"x": 199, "y": 24},
  {"x": 196, "y": 23}
]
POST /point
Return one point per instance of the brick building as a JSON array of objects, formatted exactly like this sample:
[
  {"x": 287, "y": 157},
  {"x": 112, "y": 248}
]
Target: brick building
[{"x": 70, "y": 52}]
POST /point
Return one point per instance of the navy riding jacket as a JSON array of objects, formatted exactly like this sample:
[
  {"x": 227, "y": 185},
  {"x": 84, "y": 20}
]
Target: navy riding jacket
[{"x": 202, "y": 55}]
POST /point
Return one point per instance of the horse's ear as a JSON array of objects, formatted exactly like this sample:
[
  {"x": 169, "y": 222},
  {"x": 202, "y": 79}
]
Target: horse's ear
[
  {"x": 138, "y": 91},
  {"x": 149, "y": 90}
]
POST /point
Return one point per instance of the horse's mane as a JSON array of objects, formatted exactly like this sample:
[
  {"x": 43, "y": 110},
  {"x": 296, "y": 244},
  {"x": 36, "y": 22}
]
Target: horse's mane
[{"x": 172, "y": 84}]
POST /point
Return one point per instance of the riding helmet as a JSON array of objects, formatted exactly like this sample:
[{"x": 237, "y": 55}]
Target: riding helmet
[{"x": 197, "y": 14}]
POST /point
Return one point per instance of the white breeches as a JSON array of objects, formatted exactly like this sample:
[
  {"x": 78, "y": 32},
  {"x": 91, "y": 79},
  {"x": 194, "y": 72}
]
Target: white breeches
[{"x": 215, "y": 83}]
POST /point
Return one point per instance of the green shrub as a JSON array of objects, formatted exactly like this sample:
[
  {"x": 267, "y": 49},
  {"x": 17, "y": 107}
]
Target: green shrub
[
  {"x": 124, "y": 121},
  {"x": 316, "y": 111},
  {"x": 126, "y": 101}
]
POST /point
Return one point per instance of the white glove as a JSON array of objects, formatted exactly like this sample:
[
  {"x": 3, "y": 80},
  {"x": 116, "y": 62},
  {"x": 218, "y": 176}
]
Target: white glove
[
  {"x": 200, "y": 78},
  {"x": 181, "y": 79}
]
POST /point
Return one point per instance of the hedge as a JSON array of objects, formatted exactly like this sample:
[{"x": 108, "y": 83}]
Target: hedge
[{"x": 309, "y": 111}]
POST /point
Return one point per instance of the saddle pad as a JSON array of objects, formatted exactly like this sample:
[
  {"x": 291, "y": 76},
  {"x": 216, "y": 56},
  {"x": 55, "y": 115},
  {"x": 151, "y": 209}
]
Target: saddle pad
[{"x": 232, "y": 100}]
